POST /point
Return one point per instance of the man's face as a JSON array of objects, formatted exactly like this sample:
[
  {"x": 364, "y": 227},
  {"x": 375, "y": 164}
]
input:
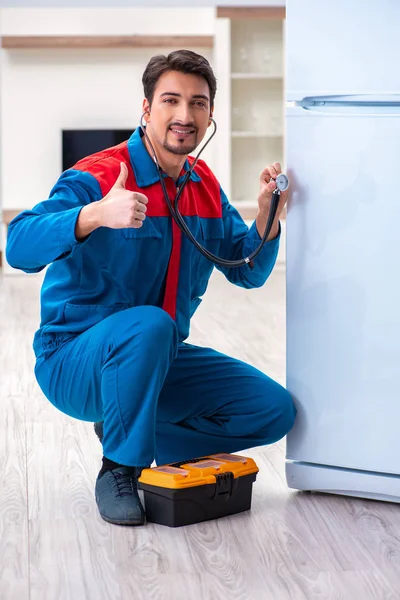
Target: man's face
[{"x": 180, "y": 112}]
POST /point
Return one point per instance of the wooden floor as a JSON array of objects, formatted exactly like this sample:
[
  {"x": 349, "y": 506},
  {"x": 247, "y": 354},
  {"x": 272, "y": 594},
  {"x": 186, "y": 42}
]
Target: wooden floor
[{"x": 54, "y": 546}]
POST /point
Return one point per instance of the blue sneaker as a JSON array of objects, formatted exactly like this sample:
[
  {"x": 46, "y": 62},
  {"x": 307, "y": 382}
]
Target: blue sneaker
[{"x": 117, "y": 496}]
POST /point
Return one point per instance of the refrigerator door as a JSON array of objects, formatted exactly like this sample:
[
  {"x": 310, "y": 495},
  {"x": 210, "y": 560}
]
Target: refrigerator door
[
  {"x": 343, "y": 286},
  {"x": 342, "y": 47}
]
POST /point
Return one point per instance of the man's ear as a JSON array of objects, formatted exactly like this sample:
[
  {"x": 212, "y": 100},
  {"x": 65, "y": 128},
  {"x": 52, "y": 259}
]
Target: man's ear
[
  {"x": 211, "y": 114},
  {"x": 146, "y": 110}
]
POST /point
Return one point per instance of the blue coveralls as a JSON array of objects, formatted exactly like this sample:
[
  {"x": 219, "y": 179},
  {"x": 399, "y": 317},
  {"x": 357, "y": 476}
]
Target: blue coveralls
[{"x": 116, "y": 309}]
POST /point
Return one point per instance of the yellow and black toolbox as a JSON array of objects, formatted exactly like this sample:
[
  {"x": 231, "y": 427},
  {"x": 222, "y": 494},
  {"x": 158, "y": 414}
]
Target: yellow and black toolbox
[{"x": 198, "y": 489}]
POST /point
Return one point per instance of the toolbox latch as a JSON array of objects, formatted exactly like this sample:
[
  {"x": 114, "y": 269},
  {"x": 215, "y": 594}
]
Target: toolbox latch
[{"x": 224, "y": 483}]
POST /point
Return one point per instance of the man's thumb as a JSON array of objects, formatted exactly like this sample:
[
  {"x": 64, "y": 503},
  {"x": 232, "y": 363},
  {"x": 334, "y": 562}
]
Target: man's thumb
[{"x": 122, "y": 177}]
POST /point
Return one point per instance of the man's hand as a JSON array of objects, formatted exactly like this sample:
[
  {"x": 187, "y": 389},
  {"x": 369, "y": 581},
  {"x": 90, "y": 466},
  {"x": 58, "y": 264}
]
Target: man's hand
[
  {"x": 121, "y": 208},
  {"x": 267, "y": 186}
]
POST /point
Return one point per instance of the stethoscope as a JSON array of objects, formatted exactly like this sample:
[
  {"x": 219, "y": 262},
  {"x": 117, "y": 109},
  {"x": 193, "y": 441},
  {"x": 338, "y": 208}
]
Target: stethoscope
[{"x": 282, "y": 183}]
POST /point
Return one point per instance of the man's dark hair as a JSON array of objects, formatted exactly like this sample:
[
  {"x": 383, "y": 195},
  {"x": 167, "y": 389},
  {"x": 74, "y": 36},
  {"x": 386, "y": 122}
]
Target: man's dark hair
[{"x": 184, "y": 61}]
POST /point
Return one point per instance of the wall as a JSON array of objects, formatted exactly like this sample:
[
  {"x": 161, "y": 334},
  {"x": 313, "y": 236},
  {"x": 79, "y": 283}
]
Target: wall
[
  {"x": 44, "y": 91},
  {"x": 135, "y": 3}
]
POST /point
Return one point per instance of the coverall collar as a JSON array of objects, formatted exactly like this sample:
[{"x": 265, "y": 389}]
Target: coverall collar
[{"x": 143, "y": 165}]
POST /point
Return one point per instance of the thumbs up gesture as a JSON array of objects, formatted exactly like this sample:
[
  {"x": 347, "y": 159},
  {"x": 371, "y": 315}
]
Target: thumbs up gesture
[{"x": 121, "y": 208}]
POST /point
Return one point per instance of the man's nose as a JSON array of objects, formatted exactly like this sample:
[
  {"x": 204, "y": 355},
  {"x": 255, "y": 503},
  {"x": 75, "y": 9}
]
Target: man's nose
[{"x": 184, "y": 113}]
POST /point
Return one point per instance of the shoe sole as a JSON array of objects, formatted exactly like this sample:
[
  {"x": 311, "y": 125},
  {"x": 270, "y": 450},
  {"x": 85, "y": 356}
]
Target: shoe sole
[
  {"x": 127, "y": 523},
  {"x": 124, "y": 523}
]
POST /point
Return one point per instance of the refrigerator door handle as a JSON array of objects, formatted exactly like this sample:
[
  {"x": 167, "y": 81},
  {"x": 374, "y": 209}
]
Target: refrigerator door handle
[{"x": 388, "y": 104}]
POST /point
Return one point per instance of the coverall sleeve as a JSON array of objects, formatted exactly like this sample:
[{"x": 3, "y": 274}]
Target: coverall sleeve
[
  {"x": 46, "y": 233},
  {"x": 240, "y": 241}
]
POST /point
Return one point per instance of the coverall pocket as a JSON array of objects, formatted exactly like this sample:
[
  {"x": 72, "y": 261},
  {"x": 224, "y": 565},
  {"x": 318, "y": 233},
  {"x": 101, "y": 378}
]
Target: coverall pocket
[
  {"x": 82, "y": 316},
  {"x": 212, "y": 233},
  {"x": 212, "y": 229},
  {"x": 148, "y": 230}
]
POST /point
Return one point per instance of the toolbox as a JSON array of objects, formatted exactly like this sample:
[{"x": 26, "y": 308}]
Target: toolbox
[{"x": 199, "y": 489}]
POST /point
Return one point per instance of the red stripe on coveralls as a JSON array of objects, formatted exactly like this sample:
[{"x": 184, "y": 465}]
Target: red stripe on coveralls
[
  {"x": 190, "y": 196},
  {"x": 171, "y": 288}
]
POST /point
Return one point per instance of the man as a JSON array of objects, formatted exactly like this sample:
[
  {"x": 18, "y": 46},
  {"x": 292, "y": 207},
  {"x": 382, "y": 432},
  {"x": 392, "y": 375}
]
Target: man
[{"x": 123, "y": 283}]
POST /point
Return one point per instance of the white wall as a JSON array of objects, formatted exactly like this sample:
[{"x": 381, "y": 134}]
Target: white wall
[
  {"x": 131, "y": 3},
  {"x": 107, "y": 21},
  {"x": 44, "y": 91}
]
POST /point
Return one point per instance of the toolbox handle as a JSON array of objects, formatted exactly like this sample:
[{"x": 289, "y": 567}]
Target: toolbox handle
[{"x": 224, "y": 484}]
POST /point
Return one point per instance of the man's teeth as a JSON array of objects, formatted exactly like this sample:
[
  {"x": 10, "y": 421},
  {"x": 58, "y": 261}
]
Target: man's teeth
[{"x": 183, "y": 130}]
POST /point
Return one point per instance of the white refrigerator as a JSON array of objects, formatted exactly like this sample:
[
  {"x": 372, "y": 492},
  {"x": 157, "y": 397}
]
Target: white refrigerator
[{"x": 343, "y": 246}]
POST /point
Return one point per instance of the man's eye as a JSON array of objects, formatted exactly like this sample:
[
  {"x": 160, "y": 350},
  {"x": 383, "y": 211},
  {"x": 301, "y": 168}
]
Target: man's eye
[
  {"x": 170, "y": 100},
  {"x": 200, "y": 103}
]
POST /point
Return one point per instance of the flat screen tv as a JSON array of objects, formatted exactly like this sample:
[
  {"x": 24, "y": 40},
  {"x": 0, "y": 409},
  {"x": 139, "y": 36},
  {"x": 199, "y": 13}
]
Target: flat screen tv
[{"x": 78, "y": 143}]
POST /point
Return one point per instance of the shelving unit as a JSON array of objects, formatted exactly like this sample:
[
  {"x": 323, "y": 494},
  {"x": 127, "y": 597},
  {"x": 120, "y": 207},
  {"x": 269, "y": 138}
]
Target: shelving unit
[
  {"x": 252, "y": 76},
  {"x": 13, "y": 42},
  {"x": 256, "y": 103},
  {"x": 253, "y": 134},
  {"x": 250, "y": 59}
]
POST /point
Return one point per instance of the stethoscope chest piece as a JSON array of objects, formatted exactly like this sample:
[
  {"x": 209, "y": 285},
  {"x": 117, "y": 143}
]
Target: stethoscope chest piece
[{"x": 282, "y": 182}]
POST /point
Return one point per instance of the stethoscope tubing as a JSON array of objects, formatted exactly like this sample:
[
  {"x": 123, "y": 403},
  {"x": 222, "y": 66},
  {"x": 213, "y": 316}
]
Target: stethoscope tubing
[{"x": 179, "y": 220}]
